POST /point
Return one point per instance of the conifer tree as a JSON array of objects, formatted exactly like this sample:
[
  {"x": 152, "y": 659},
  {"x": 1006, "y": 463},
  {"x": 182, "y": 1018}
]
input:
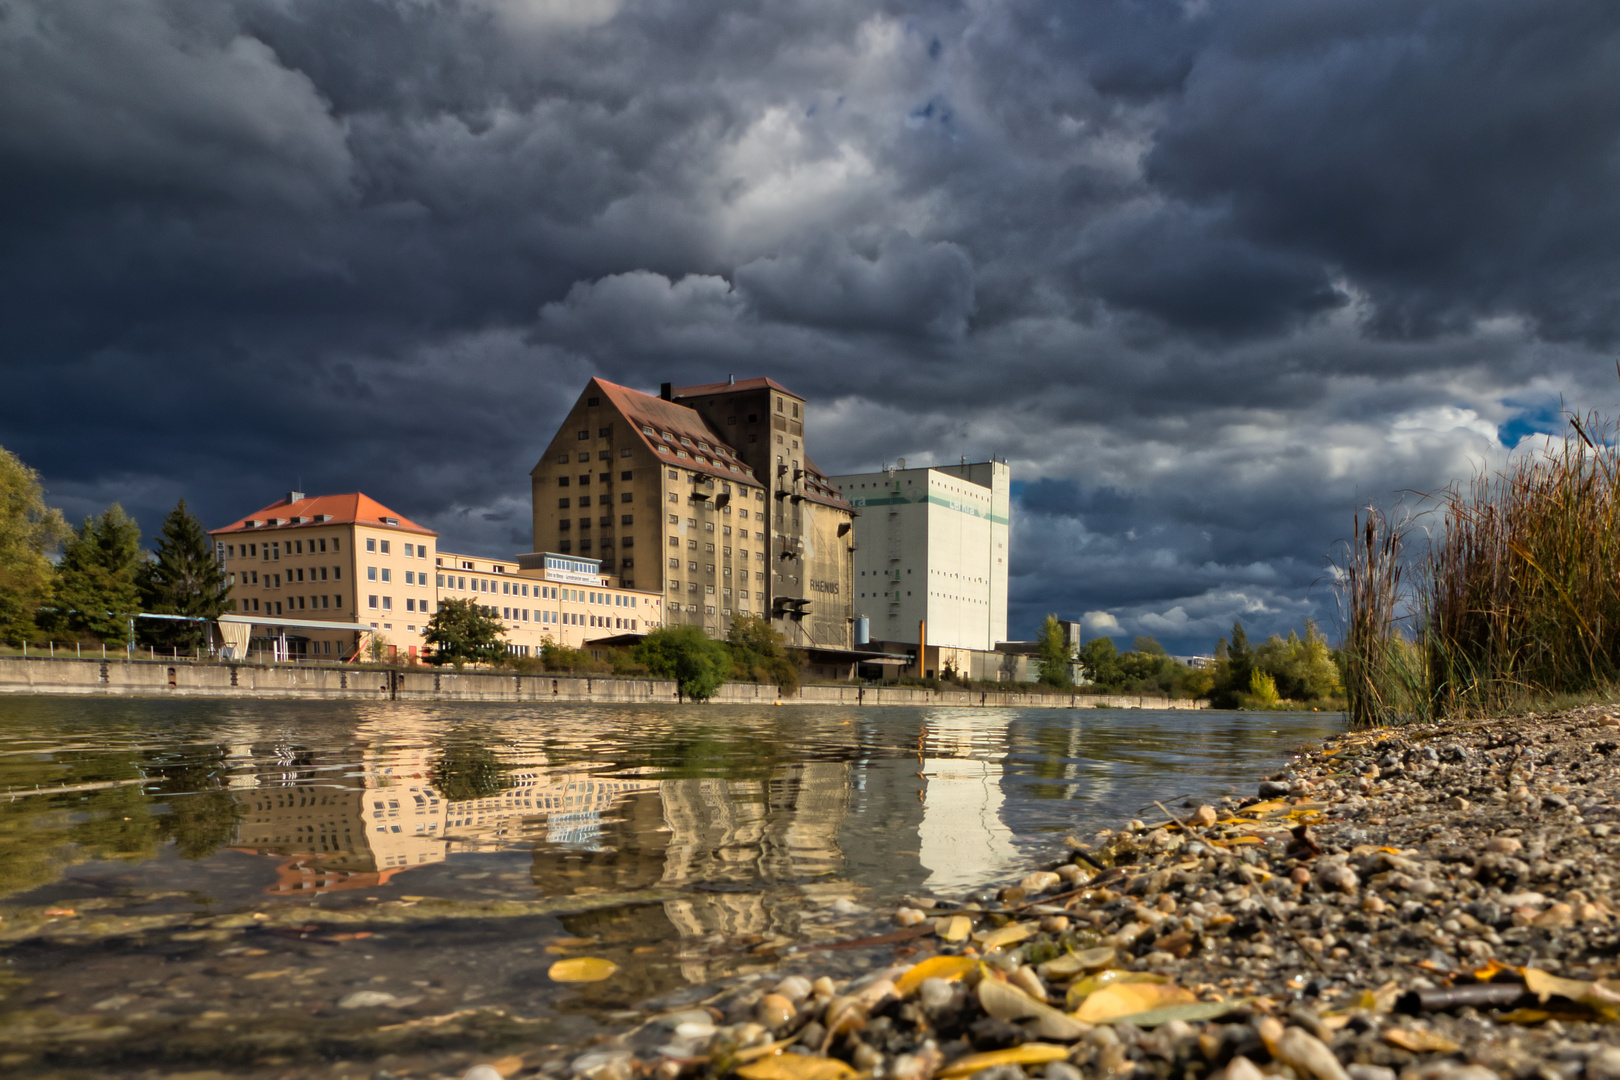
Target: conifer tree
[
  {"x": 95, "y": 583},
  {"x": 28, "y": 529},
  {"x": 182, "y": 578}
]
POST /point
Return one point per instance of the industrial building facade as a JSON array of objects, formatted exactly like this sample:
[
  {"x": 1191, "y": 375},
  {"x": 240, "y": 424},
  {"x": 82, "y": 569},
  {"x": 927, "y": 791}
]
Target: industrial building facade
[
  {"x": 706, "y": 496},
  {"x": 933, "y": 552}
]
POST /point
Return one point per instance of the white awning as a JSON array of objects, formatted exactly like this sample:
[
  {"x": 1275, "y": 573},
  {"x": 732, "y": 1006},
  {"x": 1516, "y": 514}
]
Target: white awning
[{"x": 297, "y": 624}]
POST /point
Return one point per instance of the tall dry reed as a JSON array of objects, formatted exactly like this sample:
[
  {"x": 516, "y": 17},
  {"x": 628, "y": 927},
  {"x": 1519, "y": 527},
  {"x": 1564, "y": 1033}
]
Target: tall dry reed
[
  {"x": 1520, "y": 596},
  {"x": 1516, "y": 596},
  {"x": 1384, "y": 677}
]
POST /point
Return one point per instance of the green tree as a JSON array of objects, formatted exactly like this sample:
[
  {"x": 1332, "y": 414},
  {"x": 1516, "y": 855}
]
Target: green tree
[
  {"x": 1234, "y": 663},
  {"x": 181, "y": 578},
  {"x": 460, "y": 631},
  {"x": 1262, "y": 688},
  {"x": 95, "y": 583},
  {"x": 1053, "y": 649},
  {"x": 758, "y": 652},
  {"x": 28, "y": 529},
  {"x": 1100, "y": 657},
  {"x": 696, "y": 662}
]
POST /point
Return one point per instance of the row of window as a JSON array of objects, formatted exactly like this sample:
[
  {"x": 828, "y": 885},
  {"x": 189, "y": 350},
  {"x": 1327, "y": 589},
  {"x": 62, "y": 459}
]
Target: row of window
[
  {"x": 294, "y": 603},
  {"x": 585, "y": 500},
  {"x": 585, "y": 455},
  {"x": 585, "y": 478},
  {"x": 272, "y": 551}
]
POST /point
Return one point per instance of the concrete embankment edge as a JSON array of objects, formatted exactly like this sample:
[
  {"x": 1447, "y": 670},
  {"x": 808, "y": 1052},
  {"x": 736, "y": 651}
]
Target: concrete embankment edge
[{"x": 118, "y": 677}]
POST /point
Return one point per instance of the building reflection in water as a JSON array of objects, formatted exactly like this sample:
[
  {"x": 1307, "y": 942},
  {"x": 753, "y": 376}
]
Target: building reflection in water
[
  {"x": 337, "y": 823},
  {"x": 963, "y": 839}
]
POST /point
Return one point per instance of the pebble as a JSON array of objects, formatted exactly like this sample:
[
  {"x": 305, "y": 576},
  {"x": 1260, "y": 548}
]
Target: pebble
[
  {"x": 776, "y": 1011},
  {"x": 1040, "y": 881},
  {"x": 908, "y": 916},
  {"x": 794, "y": 987},
  {"x": 482, "y": 1072},
  {"x": 366, "y": 999}
]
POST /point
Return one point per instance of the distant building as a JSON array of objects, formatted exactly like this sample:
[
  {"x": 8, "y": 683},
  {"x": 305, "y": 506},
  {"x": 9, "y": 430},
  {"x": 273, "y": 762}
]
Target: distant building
[
  {"x": 933, "y": 547},
  {"x": 705, "y": 495},
  {"x": 548, "y": 596}
]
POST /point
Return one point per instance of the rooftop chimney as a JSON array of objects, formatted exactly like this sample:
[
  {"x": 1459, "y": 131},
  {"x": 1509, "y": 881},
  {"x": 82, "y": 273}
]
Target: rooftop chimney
[
  {"x": 666, "y": 391},
  {"x": 731, "y": 380},
  {"x": 294, "y": 496}
]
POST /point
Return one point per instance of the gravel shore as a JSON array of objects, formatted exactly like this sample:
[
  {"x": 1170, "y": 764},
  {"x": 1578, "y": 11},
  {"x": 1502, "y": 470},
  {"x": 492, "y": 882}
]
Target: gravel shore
[{"x": 1430, "y": 902}]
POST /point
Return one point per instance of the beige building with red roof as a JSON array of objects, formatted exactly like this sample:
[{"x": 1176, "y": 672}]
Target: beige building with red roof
[
  {"x": 332, "y": 559},
  {"x": 705, "y": 495}
]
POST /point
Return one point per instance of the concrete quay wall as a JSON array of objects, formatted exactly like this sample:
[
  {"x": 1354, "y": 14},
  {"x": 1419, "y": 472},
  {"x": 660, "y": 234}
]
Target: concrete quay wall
[{"x": 118, "y": 677}]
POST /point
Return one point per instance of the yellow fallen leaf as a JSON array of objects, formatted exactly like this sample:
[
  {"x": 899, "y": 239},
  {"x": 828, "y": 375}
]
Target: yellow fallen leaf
[
  {"x": 1076, "y": 962},
  {"x": 1007, "y": 935},
  {"x": 1265, "y": 807},
  {"x": 754, "y": 1053},
  {"x": 957, "y": 928},
  {"x": 1598, "y": 996},
  {"x": 1241, "y": 840},
  {"x": 1419, "y": 1042},
  {"x": 582, "y": 969},
  {"x": 276, "y": 974},
  {"x": 949, "y": 968},
  {"x": 507, "y": 1066},
  {"x": 1005, "y": 1001},
  {"x": 1029, "y": 1054},
  {"x": 1079, "y": 991},
  {"x": 796, "y": 1067},
  {"x": 1122, "y": 999}
]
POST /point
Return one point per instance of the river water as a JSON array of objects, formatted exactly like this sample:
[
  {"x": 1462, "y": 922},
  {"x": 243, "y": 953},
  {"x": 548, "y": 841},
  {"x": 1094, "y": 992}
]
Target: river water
[{"x": 346, "y": 889}]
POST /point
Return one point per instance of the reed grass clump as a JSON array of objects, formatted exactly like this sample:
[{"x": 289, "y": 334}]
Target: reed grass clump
[{"x": 1515, "y": 596}]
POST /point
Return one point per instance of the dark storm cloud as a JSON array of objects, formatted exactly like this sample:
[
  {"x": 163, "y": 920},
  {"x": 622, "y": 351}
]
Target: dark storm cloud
[{"x": 1210, "y": 274}]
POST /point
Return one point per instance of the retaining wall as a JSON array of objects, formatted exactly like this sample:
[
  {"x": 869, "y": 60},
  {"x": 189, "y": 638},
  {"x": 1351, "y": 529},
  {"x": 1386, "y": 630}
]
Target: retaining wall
[{"x": 118, "y": 677}]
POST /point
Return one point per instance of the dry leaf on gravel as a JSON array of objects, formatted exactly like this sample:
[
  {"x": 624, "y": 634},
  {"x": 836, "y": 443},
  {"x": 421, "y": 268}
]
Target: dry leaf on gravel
[
  {"x": 1419, "y": 1042},
  {"x": 1028, "y": 1054},
  {"x": 582, "y": 969},
  {"x": 1125, "y": 999},
  {"x": 935, "y": 967},
  {"x": 796, "y": 1067}
]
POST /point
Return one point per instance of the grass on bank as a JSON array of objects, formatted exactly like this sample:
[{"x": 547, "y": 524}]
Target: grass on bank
[{"x": 1511, "y": 604}]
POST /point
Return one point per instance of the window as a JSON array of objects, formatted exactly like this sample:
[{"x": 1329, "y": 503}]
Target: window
[
  {"x": 410, "y": 604},
  {"x": 371, "y": 573},
  {"x": 708, "y": 568},
  {"x": 388, "y": 603},
  {"x": 692, "y": 544},
  {"x": 725, "y": 551},
  {"x": 562, "y": 504},
  {"x": 674, "y": 564},
  {"x": 709, "y": 548},
  {"x": 584, "y": 455},
  {"x": 592, "y": 402},
  {"x": 628, "y": 541},
  {"x": 371, "y": 601},
  {"x": 584, "y": 433},
  {"x": 727, "y": 531},
  {"x": 562, "y": 481},
  {"x": 410, "y": 577},
  {"x": 584, "y": 500},
  {"x": 371, "y": 543},
  {"x": 625, "y": 475},
  {"x": 627, "y": 519},
  {"x": 385, "y": 551},
  {"x": 584, "y": 479},
  {"x": 624, "y": 452},
  {"x": 674, "y": 519},
  {"x": 410, "y": 550},
  {"x": 440, "y": 581},
  {"x": 603, "y": 433},
  {"x": 674, "y": 498},
  {"x": 625, "y": 496},
  {"x": 603, "y": 455},
  {"x": 386, "y": 574},
  {"x": 692, "y": 566},
  {"x": 563, "y": 459}
]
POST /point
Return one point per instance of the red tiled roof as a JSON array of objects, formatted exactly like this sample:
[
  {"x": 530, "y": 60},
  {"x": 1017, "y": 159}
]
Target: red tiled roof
[
  {"x": 350, "y": 509},
  {"x": 669, "y": 418},
  {"x": 722, "y": 387}
]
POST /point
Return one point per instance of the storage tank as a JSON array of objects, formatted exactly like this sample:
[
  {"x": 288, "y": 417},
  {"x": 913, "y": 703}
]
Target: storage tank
[{"x": 863, "y": 630}]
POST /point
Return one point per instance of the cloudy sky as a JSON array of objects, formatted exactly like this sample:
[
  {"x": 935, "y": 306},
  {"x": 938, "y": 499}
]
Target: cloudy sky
[{"x": 1209, "y": 274}]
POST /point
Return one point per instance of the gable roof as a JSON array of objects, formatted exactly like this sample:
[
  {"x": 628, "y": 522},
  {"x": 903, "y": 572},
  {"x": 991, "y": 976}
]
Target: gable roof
[
  {"x": 740, "y": 384},
  {"x": 670, "y": 422},
  {"x": 352, "y": 508}
]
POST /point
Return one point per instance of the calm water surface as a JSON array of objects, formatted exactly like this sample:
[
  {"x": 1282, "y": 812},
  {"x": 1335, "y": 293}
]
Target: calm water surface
[{"x": 446, "y": 855}]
